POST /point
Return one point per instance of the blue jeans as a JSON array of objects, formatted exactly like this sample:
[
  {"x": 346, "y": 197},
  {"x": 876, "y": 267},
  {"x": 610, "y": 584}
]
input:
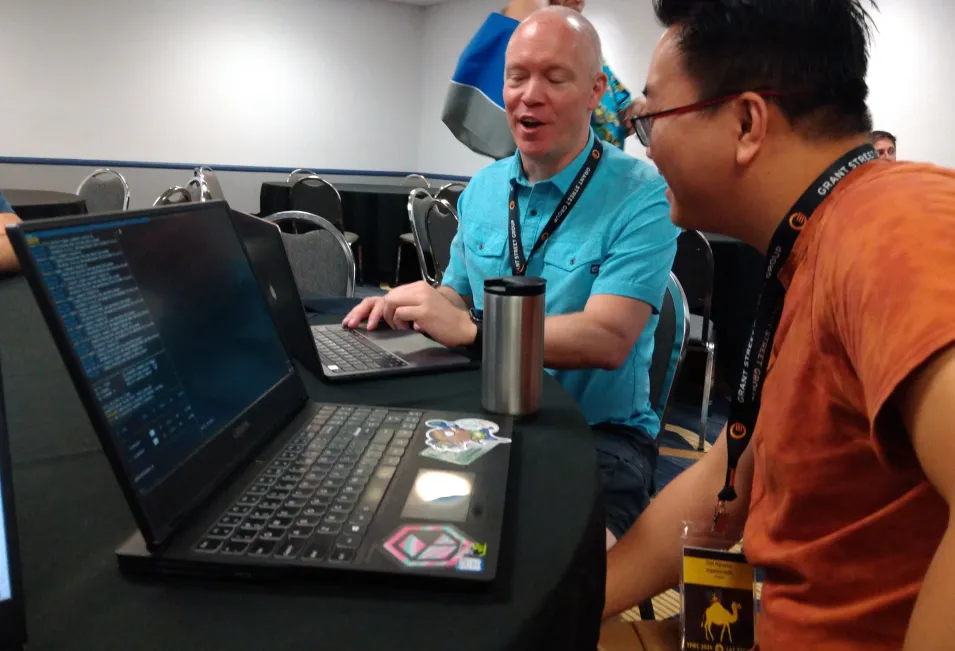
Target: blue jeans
[{"x": 628, "y": 460}]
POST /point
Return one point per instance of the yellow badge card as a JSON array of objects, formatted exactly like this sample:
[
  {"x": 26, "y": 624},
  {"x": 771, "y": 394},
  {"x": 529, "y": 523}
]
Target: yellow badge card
[{"x": 717, "y": 601}]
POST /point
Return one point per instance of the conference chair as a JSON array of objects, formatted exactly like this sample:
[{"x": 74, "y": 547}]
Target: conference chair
[
  {"x": 315, "y": 195},
  {"x": 320, "y": 256},
  {"x": 206, "y": 180},
  {"x": 669, "y": 349},
  {"x": 299, "y": 173},
  {"x": 419, "y": 202},
  {"x": 104, "y": 190},
  {"x": 416, "y": 181},
  {"x": 694, "y": 267},
  {"x": 441, "y": 225},
  {"x": 175, "y": 194},
  {"x": 451, "y": 192}
]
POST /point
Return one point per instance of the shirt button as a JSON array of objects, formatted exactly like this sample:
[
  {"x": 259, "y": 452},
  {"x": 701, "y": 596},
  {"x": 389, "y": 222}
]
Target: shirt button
[
  {"x": 572, "y": 261},
  {"x": 533, "y": 213},
  {"x": 481, "y": 246}
]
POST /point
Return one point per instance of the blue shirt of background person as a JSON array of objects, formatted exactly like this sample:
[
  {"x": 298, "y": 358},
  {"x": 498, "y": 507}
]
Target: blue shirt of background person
[
  {"x": 5, "y": 206},
  {"x": 617, "y": 240}
]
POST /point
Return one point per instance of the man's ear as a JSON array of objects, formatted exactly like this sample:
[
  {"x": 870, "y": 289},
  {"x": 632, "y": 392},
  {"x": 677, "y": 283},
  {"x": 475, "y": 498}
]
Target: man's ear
[
  {"x": 752, "y": 114},
  {"x": 600, "y": 87}
]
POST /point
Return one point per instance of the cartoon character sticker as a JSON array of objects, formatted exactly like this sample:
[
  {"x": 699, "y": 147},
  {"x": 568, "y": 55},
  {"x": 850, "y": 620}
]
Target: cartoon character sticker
[{"x": 456, "y": 436}]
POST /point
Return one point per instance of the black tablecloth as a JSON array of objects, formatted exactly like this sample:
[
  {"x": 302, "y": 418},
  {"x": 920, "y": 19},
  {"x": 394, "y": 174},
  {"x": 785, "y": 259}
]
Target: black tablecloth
[
  {"x": 37, "y": 204},
  {"x": 548, "y": 594},
  {"x": 377, "y": 213}
]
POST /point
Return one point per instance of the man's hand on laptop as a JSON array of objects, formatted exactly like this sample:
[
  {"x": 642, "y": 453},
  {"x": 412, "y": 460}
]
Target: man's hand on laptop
[{"x": 418, "y": 305}]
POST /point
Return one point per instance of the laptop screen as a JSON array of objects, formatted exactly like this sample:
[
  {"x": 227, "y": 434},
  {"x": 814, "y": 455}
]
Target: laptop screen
[{"x": 169, "y": 327}]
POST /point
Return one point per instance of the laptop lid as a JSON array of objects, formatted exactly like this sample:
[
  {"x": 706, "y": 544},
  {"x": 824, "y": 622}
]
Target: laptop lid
[
  {"x": 263, "y": 244},
  {"x": 170, "y": 344},
  {"x": 12, "y": 615}
]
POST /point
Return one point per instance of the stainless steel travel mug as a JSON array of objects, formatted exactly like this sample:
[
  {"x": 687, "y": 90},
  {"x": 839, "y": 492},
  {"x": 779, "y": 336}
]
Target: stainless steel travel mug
[{"x": 513, "y": 363}]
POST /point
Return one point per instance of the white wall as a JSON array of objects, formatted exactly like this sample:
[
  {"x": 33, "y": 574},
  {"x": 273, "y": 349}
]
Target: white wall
[
  {"x": 911, "y": 78},
  {"x": 313, "y": 83},
  {"x": 343, "y": 84}
]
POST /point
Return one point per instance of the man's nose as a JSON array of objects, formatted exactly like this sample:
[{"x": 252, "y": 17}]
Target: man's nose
[{"x": 533, "y": 92}]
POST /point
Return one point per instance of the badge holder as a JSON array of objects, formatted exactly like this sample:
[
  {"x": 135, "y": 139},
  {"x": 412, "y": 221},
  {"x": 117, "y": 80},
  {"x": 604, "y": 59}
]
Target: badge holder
[{"x": 717, "y": 612}]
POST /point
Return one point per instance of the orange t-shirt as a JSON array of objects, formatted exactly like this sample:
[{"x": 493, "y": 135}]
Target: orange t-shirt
[{"x": 842, "y": 518}]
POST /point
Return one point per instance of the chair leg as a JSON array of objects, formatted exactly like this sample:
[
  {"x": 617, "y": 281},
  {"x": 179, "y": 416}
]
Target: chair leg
[
  {"x": 357, "y": 249},
  {"x": 398, "y": 265},
  {"x": 707, "y": 388}
]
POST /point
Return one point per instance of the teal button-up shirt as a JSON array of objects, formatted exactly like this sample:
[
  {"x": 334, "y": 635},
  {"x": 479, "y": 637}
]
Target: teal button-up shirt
[{"x": 617, "y": 240}]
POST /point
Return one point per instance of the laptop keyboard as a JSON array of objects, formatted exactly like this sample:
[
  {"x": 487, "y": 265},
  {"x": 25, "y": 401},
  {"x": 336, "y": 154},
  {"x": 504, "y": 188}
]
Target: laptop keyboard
[
  {"x": 347, "y": 351},
  {"x": 315, "y": 501}
]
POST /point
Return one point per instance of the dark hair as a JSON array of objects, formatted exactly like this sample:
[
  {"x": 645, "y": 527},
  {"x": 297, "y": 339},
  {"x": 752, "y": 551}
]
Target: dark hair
[
  {"x": 879, "y": 135},
  {"x": 816, "y": 52}
]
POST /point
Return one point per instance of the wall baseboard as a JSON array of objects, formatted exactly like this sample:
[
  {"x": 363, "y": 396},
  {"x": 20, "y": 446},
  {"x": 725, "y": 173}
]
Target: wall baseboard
[{"x": 82, "y": 162}]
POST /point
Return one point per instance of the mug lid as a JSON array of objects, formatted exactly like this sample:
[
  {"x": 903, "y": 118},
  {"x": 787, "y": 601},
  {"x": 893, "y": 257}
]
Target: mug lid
[{"x": 515, "y": 286}]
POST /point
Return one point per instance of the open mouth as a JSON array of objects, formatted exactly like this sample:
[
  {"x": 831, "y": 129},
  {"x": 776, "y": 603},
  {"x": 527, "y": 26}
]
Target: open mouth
[{"x": 530, "y": 123}]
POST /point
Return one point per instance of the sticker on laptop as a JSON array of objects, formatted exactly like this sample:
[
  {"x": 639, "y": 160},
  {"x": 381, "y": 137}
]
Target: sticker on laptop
[
  {"x": 434, "y": 545},
  {"x": 462, "y": 441}
]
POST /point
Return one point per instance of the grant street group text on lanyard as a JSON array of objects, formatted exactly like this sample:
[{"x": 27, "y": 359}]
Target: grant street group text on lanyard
[
  {"x": 745, "y": 406},
  {"x": 518, "y": 261}
]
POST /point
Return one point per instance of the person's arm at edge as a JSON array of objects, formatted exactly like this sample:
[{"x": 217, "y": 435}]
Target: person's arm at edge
[
  {"x": 8, "y": 259},
  {"x": 648, "y": 559},
  {"x": 926, "y": 402}
]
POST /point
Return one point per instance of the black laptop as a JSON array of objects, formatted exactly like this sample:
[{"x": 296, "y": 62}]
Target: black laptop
[
  {"x": 331, "y": 351},
  {"x": 227, "y": 465},
  {"x": 12, "y": 617}
]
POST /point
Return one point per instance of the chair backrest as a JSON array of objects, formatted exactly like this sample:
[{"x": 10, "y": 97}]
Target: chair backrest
[
  {"x": 175, "y": 194},
  {"x": 441, "y": 225},
  {"x": 315, "y": 195},
  {"x": 198, "y": 189},
  {"x": 451, "y": 193},
  {"x": 694, "y": 267},
  {"x": 419, "y": 203},
  {"x": 299, "y": 173},
  {"x": 213, "y": 188},
  {"x": 669, "y": 347},
  {"x": 416, "y": 181},
  {"x": 321, "y": 260},
  {"x": 104, "y": 190}
]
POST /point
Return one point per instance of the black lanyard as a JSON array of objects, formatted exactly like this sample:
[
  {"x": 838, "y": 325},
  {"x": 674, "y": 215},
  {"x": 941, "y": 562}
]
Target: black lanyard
[
  {"x": 518, "y": 261},
  {"x": 745, "y": 406}
]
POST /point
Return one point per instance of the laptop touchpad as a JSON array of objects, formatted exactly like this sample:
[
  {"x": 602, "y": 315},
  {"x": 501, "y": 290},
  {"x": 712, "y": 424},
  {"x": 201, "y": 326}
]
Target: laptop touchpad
[
  {"x": 403, "y": 342},
  {"x": 439, "y": 495}
]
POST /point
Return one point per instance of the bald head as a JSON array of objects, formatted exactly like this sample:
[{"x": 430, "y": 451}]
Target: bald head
[{"x": 581, "y": 36}]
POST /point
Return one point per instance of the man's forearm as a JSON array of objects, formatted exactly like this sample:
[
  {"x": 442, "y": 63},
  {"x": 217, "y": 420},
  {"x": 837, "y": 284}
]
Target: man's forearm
[
  {"x": 647, "y": 560},
  {"x": 576, "y": 341},
  {"x": 8, "y": 260},
  {"x": 456, "y": 299},
  {"x": 932, "y": 626}
]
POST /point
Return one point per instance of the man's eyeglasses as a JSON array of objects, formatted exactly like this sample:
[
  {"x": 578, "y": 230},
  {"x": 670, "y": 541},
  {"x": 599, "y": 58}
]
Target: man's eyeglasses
[{"x": 642, "y": 124}]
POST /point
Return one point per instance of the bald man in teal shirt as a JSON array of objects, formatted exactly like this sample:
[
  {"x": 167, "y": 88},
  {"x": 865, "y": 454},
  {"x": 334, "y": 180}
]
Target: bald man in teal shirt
[{"x": 606, "y": 264}]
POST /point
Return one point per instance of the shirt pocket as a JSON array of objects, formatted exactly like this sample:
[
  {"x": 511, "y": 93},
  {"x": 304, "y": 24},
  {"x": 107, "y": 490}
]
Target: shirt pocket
[
  {"x": 571, "y": 269},
  {"x": 484, "y": 253}
]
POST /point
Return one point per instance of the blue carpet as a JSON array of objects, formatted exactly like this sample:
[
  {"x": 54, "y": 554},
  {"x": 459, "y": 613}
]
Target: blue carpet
[{"x": 687, "y": 416}]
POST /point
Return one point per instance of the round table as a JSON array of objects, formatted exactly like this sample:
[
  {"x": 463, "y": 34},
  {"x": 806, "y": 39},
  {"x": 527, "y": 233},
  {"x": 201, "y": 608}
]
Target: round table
[
  {"x": 38, "y": 204},
  {"x": 72, "y": 515}
]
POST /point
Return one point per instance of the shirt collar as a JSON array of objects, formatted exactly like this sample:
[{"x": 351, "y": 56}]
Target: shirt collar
[{"x": 564, "y": 178}]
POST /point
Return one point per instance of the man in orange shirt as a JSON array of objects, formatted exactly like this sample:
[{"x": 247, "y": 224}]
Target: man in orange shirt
[{"x": 757, "y": 118}]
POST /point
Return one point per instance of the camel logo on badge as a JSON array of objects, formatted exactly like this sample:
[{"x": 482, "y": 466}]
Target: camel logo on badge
[
  {"x": 798, "y": 220},
  {"x": 738, "y": 430}
]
